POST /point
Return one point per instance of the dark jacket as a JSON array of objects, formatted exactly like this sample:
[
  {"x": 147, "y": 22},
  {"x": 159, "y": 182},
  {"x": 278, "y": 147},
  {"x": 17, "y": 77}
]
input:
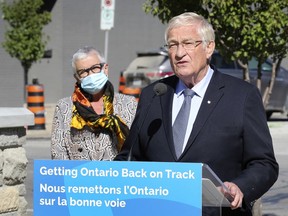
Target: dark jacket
[{"x": 230, "y": 134}]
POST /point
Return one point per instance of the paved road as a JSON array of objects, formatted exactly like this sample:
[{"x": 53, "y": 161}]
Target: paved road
[
  {"x": 36, "y": 148},
  {"x": 275, "y": 201}
]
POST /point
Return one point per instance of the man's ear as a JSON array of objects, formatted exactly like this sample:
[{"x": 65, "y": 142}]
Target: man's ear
[{"x": 210, "y": 49}]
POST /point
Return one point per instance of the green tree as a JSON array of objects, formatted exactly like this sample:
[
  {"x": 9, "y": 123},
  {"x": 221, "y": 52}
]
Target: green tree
[
  {"x": 24, "y": 38},
  {"x": 166, "y": 9},
  {"x": 243, "y": 29},
  {"x": 255, "y": 29}
]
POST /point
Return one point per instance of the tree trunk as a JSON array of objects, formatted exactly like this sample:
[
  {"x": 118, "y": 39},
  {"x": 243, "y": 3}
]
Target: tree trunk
[
  {"x": 269, "y": 88},
  {"x": 245, "y": 68},
  {"x": 26, "y": 70}
]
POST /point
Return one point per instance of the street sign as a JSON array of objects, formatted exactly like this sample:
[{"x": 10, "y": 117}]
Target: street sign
[{"x": 107, "y": 14}]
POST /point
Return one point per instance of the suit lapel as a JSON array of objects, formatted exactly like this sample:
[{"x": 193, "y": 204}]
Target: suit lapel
[{"x": 166, "y": 101}]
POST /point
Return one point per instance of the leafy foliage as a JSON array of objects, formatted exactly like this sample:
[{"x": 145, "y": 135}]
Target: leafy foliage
[
  {"x": 166, "y": 9},
  {"x": 250, "y": 28},
  {"x": 24, "y": 39},
  {"x": 243, "y": 28}
]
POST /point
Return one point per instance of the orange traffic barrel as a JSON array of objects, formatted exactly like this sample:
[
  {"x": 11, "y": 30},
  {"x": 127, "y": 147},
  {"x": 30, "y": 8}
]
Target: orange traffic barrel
[
  {"x": 35, "y": 103},
  {"x": 132, "y": 91},
  {"x": 121, "y": 82}
]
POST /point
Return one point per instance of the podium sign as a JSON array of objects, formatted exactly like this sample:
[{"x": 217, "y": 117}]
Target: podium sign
[{"x": 73, "y": 188}]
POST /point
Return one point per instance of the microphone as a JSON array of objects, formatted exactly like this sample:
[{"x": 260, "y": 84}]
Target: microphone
[{"x": 159, "y": 89}]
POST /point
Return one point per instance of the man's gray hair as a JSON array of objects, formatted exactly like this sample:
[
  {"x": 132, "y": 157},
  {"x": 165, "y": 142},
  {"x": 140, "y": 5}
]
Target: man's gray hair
[{"x": 205, "y": 29}]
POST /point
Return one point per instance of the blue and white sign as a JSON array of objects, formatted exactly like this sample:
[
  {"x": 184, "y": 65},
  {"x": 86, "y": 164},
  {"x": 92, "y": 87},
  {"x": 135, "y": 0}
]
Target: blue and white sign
[{"x": 114, "y": 188}]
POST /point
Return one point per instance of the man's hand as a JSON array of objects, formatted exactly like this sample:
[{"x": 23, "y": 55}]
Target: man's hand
[{"x": 236, "y": 194}]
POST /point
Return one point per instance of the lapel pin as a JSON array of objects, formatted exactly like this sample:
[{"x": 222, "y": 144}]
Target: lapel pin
[{"x": 209, "y": 102}]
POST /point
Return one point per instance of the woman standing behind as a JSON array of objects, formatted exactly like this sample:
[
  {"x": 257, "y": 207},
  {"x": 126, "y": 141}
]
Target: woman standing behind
[{"x": 93, "y": 123}]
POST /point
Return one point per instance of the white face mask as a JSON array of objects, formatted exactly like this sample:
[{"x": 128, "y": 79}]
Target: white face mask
[{"x": 94, "y": 83}]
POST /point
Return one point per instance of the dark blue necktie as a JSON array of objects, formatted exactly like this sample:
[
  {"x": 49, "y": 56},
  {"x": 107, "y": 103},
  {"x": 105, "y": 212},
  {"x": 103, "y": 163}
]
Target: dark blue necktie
[{"x": 181, "y": 122}]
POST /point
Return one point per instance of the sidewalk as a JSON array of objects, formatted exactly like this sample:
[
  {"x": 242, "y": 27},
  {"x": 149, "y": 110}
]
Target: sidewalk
[
  {"x": 275, "y": 126},
  {"x": 275, "y": 201}
]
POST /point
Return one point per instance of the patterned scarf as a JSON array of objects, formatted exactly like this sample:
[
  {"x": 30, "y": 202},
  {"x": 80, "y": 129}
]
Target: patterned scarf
[{"x": 83, "y": 115}]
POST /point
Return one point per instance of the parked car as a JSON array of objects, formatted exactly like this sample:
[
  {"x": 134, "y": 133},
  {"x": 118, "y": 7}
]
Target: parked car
[
  {"x": 150, "y": 66},
  {"x": 146, "y": 68}
]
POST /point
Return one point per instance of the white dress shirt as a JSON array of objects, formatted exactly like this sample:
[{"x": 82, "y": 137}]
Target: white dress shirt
[{"x": 199, "y": 89}]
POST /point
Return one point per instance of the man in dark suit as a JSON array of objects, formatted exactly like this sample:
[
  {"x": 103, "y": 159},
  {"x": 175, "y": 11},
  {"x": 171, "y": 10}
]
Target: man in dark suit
[{"x": 226, "y": 129}]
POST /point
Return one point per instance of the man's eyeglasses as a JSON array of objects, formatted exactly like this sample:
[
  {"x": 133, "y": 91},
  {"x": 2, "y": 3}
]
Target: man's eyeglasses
[
  {"x": 187, "y": 45},
  {"x": 94, "y": 69}
]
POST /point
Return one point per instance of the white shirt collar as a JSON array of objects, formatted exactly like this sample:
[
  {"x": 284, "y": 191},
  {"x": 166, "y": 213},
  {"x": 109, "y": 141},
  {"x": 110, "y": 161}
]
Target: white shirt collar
[{"x": 199, "y": 88}]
